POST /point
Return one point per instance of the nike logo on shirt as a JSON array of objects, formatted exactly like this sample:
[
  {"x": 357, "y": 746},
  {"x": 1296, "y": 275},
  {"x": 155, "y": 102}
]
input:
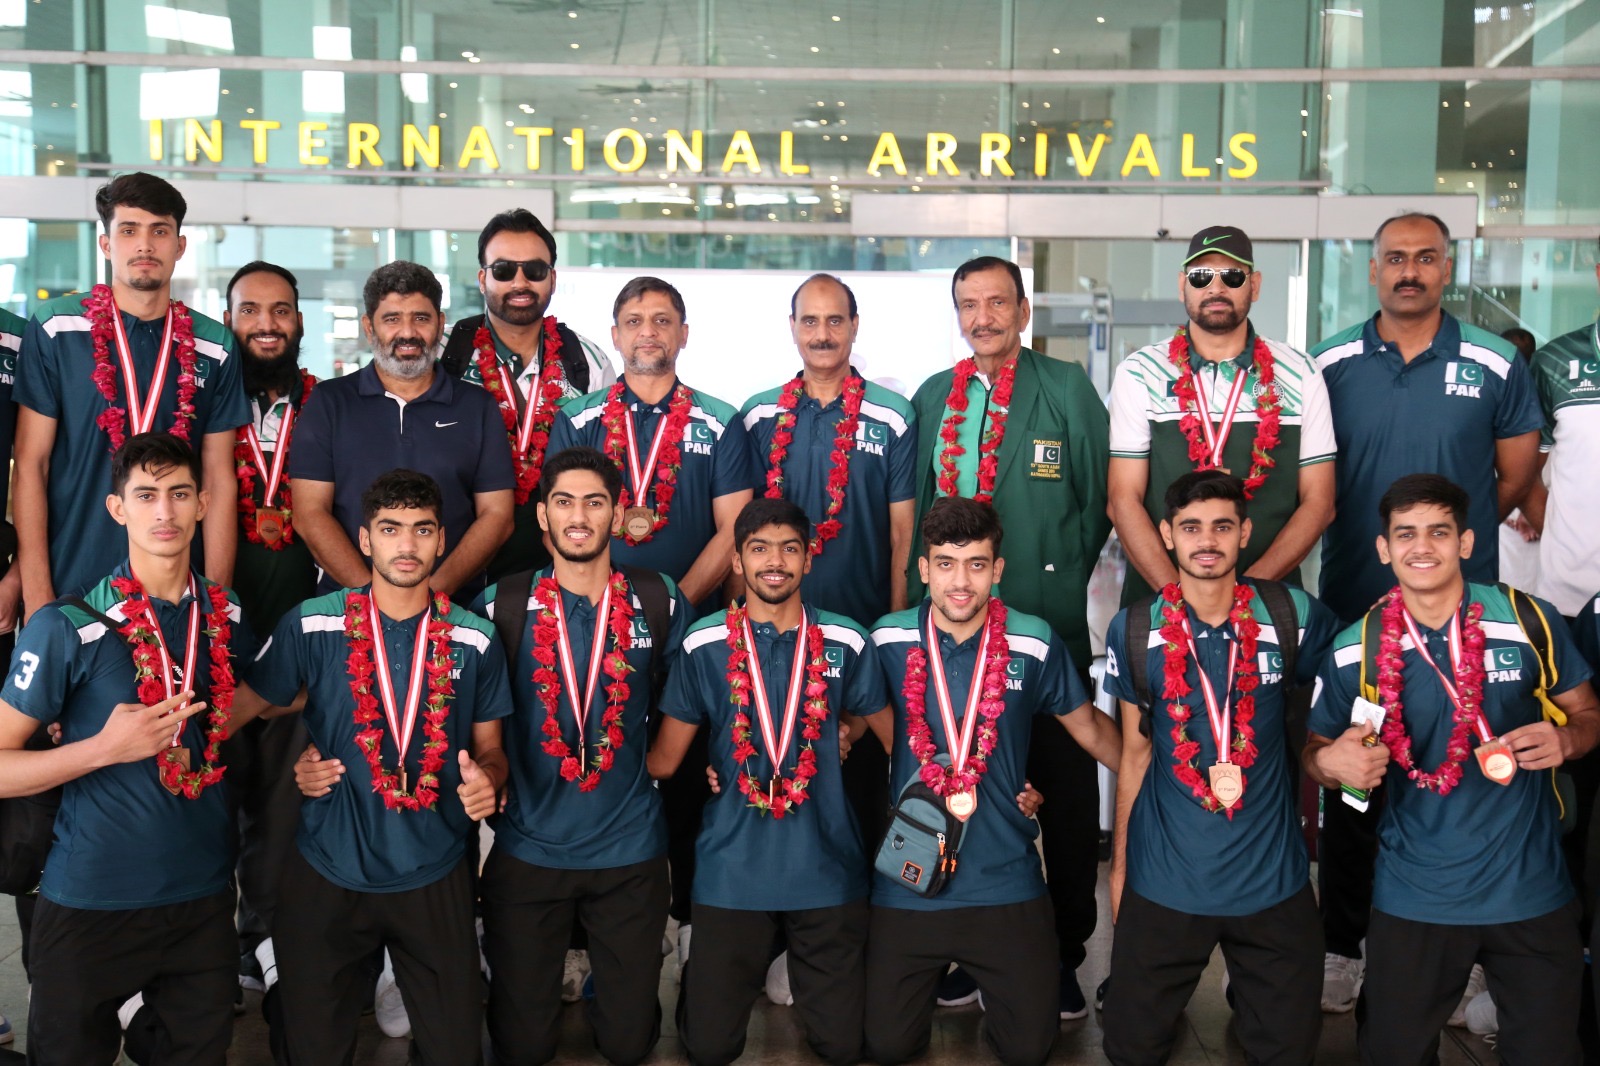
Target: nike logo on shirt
[{"x": 441, "y": 425}]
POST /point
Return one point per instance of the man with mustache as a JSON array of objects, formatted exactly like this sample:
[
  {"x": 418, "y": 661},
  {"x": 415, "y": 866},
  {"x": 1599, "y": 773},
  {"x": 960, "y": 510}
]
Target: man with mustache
[
  {"x": 401, "y": 409},
  {"x": 526, "y": 359},
  {"x": 1413, "y": 390}
]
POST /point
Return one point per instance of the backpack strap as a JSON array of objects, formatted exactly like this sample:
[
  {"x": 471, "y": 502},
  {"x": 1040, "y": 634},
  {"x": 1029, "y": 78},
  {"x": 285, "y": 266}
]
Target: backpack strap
[
  {"x": 1137, "y": 644},
  {"x": 1285, "y": 617},
  {"x": 511, "y": 609},
  {"x": 459, "y": 348},
  {"x": 1371, "y": 630},
  {"x": 1536, "y": 627},
  {"x": 80, "y": 604},
  {"x": 574, "y": 360},
  {"x": 651, "y": 588}
]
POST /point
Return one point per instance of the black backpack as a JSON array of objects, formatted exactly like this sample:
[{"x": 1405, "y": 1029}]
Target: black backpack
[{"x": 458, "y": 352}]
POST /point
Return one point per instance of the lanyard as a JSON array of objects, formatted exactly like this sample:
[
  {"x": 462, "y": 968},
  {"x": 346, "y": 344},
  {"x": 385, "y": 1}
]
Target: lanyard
[
  {"x": 142, "y": 413},
  {"x": 529, "y": 409},
  {"x": 642, "y": 476},
  {"x": 1217, "y": 436},
  {"x": 280, "y": 453},
  {"x": 777, "y": 742},
  {"x": 401, "y": 726},
  {"x": 1454, "y": 640},
  {"x": 191, "y": 651},
  {"x": 959, "y": 749},
  {"x": 597, "y": 654},
  {"x": 1221, "y": 717}
]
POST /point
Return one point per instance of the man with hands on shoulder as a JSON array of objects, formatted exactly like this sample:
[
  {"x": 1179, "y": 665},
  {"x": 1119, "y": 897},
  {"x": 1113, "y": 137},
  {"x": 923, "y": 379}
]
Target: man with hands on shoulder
[{"x": 1475, "y": 694}]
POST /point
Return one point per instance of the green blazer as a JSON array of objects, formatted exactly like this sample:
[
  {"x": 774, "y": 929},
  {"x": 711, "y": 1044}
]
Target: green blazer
[{"x": 1054, "y": 512}]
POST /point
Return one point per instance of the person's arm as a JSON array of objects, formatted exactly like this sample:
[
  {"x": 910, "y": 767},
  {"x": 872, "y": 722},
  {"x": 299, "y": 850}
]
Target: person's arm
[
  {"x": 1346, "y": 759},
  {"x": 902, "y": 516},
  {"x": 1095, "y": 733},
  {"x": 482, "y": 772},
  {"x": 131, "y": 733},
  {"x": 1516, "y": 468},
  {"x": 716, "y": 558},
  {"x": 1538, "y": 498},
  {"x": 30, "y": 500},
  {"x": 672, "y": 743},
  {"x": 11, "y": 599},
  {"x": 1544, "y": 744},
  {"x": 1126, "y": 481},
  {"x": 330, "y": 546},
  {"x": 1305, "y": 526},
  {"x": 489, "y": 530},
  {"x": 221, "y": 484},
  {"x": 1130, "y": 778}
]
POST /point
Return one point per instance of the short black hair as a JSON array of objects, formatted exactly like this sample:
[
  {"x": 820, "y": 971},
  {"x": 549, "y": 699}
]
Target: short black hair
[
  {"x": 580, "y": 458},
  {"x": 639, "y": 286},
  {"x": 1415, "y": 490},
  {"x": 401, "y": 278},
  {"x": 404, "y": 490},
  {"x": 516, "y": 220},
  {"x": 1526, "y": 343},
  {"x": 794, "y": 301},
  {"x": 1198, "y": 485},
  {"x": 958, "y": 520},
  {"x": 261, "y": 266},
  {"x": 1407, "y": 216},
  {"x": 988, "y": 262},
  {"x": 762, "y": 512},
  {"x": 156, "y": 452},
  {"x": 144, "y": 191}
]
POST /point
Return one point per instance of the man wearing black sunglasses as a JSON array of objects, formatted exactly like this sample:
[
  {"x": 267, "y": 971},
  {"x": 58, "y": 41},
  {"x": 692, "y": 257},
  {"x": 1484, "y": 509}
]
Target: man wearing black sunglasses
[
  {"x": 1217, "y": 396},
  {"x": 507, "y": 350}
]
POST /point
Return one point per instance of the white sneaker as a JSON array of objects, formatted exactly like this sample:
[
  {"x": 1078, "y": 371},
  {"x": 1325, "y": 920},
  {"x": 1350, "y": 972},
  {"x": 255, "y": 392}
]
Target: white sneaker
[
  {"x": 684, "y": 932},
  {"x": 1481, "y": 1017},
  {"x": 1341, "y": 982},
  {"x": 388, "y": 1004},
  {"x": 573, "y": 973},
  {"x": 7, "y": 1034},
  {"x": 128, "y": 1009},
  {"x": 267, "y": 956},
  {"x": 1475, "y": 985},
  {"x": 778, "y": 981}
]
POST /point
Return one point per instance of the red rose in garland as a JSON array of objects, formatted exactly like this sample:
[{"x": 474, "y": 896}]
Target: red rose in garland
[
  {"x": 552, "y": 654},
  {"x": 531, "y": 437},
  {"x": 105, "y": 331},
  {"x": 250, "y": 463},
  {"x": 780, "y": 795},
  {"x": 1205, "y": 442},
  {"x": 952, "y": 780},
  {"x": 993, "y": 437},
  {"x": 661, "y": 465},
  {"x": 844, "y": 442}
]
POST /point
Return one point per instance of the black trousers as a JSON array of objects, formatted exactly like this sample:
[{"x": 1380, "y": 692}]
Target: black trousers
[
  {"x": 684, "y": 796},
  {"x": 727, "y": 971},
  {"x": 86, "y": 963},
  {"x": 261, "y": 770},
  {"x": 1274, "y": 960},
  {"x": 1417, "y": 971},
  {"x": 1007, "y": 949},
  {"x": 866, "y": 785},
  {"x": 528, "y": 916},
  {"x": 1069, "y": 830},
  {"x": 1347, "y": 853},
  {"x": 323, "y": 936}
]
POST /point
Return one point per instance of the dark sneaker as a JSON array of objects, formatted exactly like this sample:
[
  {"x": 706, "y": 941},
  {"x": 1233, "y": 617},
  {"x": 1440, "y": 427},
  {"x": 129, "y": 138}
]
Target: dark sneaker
[
  {"x": 250, "y": 977},
  {"x": 956, "y": 989},
  {"x": 1100, "y": 993},
  {"x": 1072, "y": 1002}
]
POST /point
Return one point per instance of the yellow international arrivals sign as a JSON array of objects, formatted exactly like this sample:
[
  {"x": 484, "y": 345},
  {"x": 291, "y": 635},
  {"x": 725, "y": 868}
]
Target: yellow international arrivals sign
[{"x": 625, "y": 150}]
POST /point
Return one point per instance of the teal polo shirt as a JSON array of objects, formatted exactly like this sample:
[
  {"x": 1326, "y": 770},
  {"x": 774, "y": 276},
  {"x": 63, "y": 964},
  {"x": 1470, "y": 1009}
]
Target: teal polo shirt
[
  {"x": 999, "y": 862},
  {"x": 814, "y": 856},
  {"x": 851, "y": 575},
  {"x": 11, "y": 330},
  {"x": 547, "y": 820},
  {"x": 1442, "y": 413},
  {"x": 122, "y": 841},
  {"x": 348, "y": 836},
  {"x": 1175, "y": 846},
  {"x": 54, "y": 378},
  {"x": 1486, "y": 853}
]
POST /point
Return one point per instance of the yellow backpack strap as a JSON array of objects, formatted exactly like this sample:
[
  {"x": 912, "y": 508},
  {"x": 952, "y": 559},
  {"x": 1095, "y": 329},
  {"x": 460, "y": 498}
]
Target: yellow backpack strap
[
  {"x": 1369, "y": 655},
  {"x": 1536, "y": 627}
]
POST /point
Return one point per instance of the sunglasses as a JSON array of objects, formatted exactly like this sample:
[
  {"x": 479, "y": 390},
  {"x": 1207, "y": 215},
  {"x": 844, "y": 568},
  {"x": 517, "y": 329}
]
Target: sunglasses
[
  {"x": 1200, "y": 277},
  {"x": 532, "y": 269}
]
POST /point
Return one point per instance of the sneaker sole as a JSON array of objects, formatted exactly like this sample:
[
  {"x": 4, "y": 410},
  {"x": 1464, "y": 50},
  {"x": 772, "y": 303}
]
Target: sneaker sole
[
  {"x": 1074, "y": 1015},
  {"x": 1342, "y": 1008},
  {"x": 962, "y": 1002}
]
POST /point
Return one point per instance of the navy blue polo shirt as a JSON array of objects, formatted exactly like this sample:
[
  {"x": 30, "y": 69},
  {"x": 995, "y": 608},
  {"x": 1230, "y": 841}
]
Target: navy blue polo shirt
[
  {"x": 1439, "y": 414},
  {"x": 814, "y": 856},
  {"x": 1486, "y": 853},
  {"x": 716, "y": 462},
  {"x": 1175, "y": 846},
  {"x": 999, "y": 862},
  {"x": 348, "y": 836},
  {"x": 353, "y": 430},
  {"x": 851, "y": 575},
  {"x": 122, "y": 841},
  {"x": 54, "y": 378},
  {"x": 11, "y": 329},
  {"x": 547, "y": 820}
]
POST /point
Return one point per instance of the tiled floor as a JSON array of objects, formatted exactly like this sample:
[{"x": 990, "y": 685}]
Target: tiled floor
[{"x": 775, "y": 1036}]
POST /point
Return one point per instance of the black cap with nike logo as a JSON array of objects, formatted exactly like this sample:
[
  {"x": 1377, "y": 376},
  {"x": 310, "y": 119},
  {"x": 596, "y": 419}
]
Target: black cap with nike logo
[{"x": 1228, "y": 240}]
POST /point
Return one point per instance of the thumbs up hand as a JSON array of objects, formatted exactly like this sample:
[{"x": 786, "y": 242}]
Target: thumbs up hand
[{"x": 476, "y": 789}]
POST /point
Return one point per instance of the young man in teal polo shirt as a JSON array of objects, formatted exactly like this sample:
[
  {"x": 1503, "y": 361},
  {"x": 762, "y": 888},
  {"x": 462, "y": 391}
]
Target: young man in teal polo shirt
[{"x": 1469, "y": 865}]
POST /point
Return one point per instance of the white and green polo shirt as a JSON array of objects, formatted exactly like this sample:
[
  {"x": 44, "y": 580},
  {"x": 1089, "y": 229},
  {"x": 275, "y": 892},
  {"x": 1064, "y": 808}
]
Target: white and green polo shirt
[{"x": 1566, "y": 375}]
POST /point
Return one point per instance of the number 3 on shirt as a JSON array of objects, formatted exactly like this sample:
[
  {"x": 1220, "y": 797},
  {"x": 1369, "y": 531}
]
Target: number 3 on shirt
[{"x": 30, "y": 663}]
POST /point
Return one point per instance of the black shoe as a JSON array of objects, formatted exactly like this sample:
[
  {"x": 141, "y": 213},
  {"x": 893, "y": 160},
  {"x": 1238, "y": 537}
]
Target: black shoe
[
  {"x": 1100, "y": 993},
  {"x": 956, "y": 988},
  {"x": 250, "y": 972},
  {"x": 1072, "y": 1004}
]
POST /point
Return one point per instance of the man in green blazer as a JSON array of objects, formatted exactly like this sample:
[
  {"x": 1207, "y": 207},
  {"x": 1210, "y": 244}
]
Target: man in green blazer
[{"x": 1030, "y": 435}]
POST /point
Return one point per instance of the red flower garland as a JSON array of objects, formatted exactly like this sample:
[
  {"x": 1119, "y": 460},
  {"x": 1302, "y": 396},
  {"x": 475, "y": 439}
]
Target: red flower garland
[
  {"x": 947, "y": 780},
  {"x": 1469, "y": 683},
  {"x": 815, "y": 714},
  {"x": 1175, "y": 686},
  {"x": 668, "y": 463},
  {"x": 140, "y": 632},
  {"x": 989, "y": 447},
  {"x": 552, "y": 386},
  {"x": 1269, "y": 411},
  {"x": 843, "y": 445},
  {"x": 358, "y": 630},
  {"x": 244, "y": 464},
  {"x": 547, "y": 681},
  {"x": 101, "y": 306}
]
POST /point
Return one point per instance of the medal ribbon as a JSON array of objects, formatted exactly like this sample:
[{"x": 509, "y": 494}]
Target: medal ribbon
[
  {"x": 1217, "y": 436},
  {"x": 777, "y": 743},
  {"x": 191, "y": 650},
  {"x": 142, "y": 414},
  {"x": 280, "y": 453},
  {"x": 969, "y": 723},
  {"x": 1221, "y": 718},
  {"x": 641, "y": 477},
  {"x": 1454, "y": 640},
  {"x": 597, "y": 654},
  {"x": 400, "y": 728},
  {"x": 529, "y": 410}
]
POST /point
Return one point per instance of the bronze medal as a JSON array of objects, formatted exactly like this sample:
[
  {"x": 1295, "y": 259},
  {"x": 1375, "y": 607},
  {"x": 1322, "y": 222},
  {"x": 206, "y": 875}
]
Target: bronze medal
[
  {"x": 638, "y": 522},
  {"x": 1225, "y": 470},
  {"x": 961, "y": 805},
  {"x": 1227, "y": 783},
  {"x": 1497, "y": 761},
  {"x": 270, "y": 524},
  {"x": 402, "y": 775},
  {"x": 178, "y": 757}
]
